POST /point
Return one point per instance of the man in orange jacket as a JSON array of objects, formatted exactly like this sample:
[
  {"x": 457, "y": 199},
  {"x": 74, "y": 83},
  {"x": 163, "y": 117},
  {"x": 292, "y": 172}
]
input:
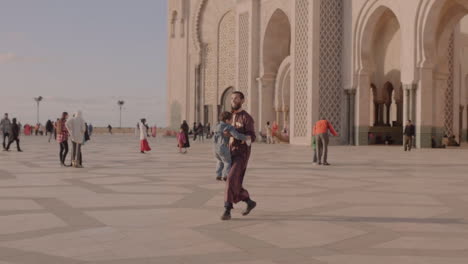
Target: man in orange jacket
[{"x": 320, "y": 131}]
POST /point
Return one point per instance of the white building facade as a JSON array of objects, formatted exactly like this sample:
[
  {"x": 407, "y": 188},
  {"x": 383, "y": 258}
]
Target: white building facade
[{"x": 365, "y": 65}]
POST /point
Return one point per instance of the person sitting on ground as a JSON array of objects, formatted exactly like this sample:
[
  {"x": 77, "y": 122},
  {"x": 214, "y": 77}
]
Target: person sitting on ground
[
  {"x": 222, "y": 133},
  {"x": 445, "y": 141},
  {"x": 452, "y": 142}
]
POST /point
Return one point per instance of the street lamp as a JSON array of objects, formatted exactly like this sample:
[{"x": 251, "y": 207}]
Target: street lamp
[
  {"x": 38, "y": 100},
  {"x": 120, "y": 103}
]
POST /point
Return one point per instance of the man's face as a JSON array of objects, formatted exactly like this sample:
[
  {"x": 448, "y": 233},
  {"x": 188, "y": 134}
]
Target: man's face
[
  {"x": 236, "y": 102},
  {"x": 6, "y": 116}
]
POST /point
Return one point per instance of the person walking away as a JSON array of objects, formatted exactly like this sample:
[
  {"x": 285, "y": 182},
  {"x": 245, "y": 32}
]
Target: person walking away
[
  {"x": 321, "y": 129},
  {"x": 49, "y": 129},
  {"x": 15, "y": 133},
  {"x": 269, "y": 133},
  {"x": 90, "y": 130},
  {"x": 185, "y": 127},
  {"x": 5, "y": 128},
  {"x": 208, "y": 130},
  {"x": 77, "y": 128},
  {"x": 240, "y": 154},
  {"x": 408, "y": 135},
  {"x": 144, "y": 146},
  {"x": 87, "y": 137},
  {"x": 181, "y": 139},
  {"x": 109, "y": 127},
  {"x": 195, "y": 131},
  {"x": 200, "y": 132},
  {"x": 62, "y": 137},
  {"x": 223, "y": 131}
]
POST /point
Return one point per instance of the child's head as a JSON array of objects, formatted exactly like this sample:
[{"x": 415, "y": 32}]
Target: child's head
[{"x": 226, "y": 117}]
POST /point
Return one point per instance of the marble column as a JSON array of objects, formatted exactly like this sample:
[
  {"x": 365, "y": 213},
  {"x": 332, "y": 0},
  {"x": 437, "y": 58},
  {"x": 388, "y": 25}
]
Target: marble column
[
  {"x": 409, "y": 102},
  {"x": 350, "y": 97},
  {"x": 362, "y": 121},
  {"x": 266, "y": 86}
]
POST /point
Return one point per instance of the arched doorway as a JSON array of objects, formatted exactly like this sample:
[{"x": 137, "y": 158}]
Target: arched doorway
[
  {"x": 275, "y": 71},
  {"x": 380, "y": 61},
  {"x": 225, "y": 101}
]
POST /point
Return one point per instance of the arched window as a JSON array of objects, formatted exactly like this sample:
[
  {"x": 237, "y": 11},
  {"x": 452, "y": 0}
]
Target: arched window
[
  {"x": 226, "y": 99},
  {"x": 173, "y": 23}
]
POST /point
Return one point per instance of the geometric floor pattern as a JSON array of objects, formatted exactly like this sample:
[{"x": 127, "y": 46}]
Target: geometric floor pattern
[{"x": 373, "y": 205}]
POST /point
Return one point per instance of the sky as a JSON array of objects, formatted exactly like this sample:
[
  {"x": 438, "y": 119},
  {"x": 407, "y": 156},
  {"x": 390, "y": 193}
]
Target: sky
[{"x": 84, "y": 55}]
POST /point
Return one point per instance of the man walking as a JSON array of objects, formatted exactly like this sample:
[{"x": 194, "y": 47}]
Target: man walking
[
  {"x": 76, "y": 127},
  {"x": 240, "y": 154},
  {"x": 408, "y": 135},
  {"x": 15, "y": 133},
  {"x": 5, "y": 127},
  {"x": 320, "y": 131}
]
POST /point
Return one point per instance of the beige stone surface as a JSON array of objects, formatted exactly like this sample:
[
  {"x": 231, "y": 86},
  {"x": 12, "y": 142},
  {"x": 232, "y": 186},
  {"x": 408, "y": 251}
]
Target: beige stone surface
[{"x": 164, "y": 207}]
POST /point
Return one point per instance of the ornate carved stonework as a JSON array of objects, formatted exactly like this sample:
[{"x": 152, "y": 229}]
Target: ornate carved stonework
[
  {"x": 227, "y": 52},
  {"x": 243, "y": 67},
  {"x": 301, "y": 67},
  {"x": 331, "y": 42},
  {"x": 448, "y": 107}
]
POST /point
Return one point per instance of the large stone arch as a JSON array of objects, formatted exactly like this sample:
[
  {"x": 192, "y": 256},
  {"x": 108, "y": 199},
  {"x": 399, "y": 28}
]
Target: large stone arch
[
  {"x": 275, "y": 49},
  {"x": 209, "y": 22},
  {"x": 437, "y": 63},
  {"x": 378, "y": 36},
  {"x": 283, "y": 93}
]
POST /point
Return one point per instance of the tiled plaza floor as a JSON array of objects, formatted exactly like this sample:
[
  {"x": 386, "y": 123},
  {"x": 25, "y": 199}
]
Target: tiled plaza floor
[{"x": 374, "y": 205}]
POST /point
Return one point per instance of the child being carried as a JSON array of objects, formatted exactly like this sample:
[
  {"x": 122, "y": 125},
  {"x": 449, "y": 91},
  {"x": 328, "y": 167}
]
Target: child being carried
[{"x": 221, "y": 144}]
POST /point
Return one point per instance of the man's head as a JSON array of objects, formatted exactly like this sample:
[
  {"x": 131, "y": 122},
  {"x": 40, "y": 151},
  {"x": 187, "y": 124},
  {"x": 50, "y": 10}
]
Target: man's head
[
  {"x": 226, "y": 117},
  {"x": 237, "y": 100},
  {"x": 268, "y": 123},
  {"x": 408, "y": 122},
  {"x": 14, "y": 120},
  {"x": 64, "y": 115},
  {"x": 6, "y": 115}
]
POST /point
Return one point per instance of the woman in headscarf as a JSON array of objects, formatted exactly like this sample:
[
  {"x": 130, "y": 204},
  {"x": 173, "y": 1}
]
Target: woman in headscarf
[
  {"x": 185, "y": 128},
  {"x": 144, "y": 146},
  {"x": 76, "y": 127}
]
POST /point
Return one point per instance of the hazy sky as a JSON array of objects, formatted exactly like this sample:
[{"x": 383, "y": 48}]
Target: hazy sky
[{"x": 84, "y": 54}]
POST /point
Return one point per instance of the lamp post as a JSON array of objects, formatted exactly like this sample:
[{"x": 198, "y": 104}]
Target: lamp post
[
  {"x": 120, "y": 103},
  {"x": 38, "y": 100}
]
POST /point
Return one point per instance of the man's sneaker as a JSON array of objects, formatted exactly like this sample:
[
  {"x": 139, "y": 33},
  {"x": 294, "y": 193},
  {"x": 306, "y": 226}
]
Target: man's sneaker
[
  {"x": 226, "y": 215},
  {"x": 218, "y": 178},
  {"x": 250, "y": 206},
  {"x": 320, "y": 163},
  {"x": 224, "y": 178},
  {"x": 326, "y": 164}
]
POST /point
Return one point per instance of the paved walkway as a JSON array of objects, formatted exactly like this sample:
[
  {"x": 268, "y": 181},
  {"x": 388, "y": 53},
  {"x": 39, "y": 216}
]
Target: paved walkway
[{"x": 374, "y": 205}]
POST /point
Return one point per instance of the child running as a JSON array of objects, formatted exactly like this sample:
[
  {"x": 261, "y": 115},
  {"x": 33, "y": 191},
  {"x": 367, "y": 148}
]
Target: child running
[{"x": 223, "y": 131}]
